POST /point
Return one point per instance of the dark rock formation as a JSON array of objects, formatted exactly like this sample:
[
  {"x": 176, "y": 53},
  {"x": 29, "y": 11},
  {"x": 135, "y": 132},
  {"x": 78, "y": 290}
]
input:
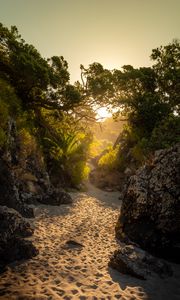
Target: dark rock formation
[
  {"x": 150, "y": 214},
  {"x": 9, "y": 191},
  {"x": 13, "y": 230},
  {"x": 55, "y": 197},
  {"x": 24, "y": 180},
  {"x": 10, "y": 182},
  {"x": 136, "y": 262}
]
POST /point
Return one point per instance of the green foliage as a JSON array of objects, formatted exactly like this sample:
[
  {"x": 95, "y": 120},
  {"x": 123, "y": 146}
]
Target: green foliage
[
  {"x": 37, "y": 81},
  {"x": 50, "y": 113},
  {"x": 109, "y": 161},
  {"x": 139, "y": 151},
  {"x": 148, "y": 97},
  {"x": 79, "y": 172},
  {"x": 95, "y": 148},
  {"x": 10, "y": 104},
  {"x": 98, "y": 82},
  {"x": 65, "y": 147},
  {"x": 75, "y": 157},
  {"x": 167, "y": 70},
  {"x": 9, "y": 108},
  {"x": 48, "y": 110},
  {"x": 27, "y": 143},
  {"x": 166, "y": 133},
  {"x": 98, "y": 146}
]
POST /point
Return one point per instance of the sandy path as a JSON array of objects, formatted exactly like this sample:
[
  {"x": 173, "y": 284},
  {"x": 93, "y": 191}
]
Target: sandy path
[{"x": 79, "y": 271}]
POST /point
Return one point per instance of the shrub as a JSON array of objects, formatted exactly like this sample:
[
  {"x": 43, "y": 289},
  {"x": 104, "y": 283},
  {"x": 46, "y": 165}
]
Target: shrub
[
  {"x": 139, "y": 151},
  {"x": 9, "y": 108},
  {"x": 109, "y": 160},
  {"x": 27, "y": 143},
  {"x": 166, "y": 134},
  {"x": 9, "y": 100},
  {"x": 79, "y": 172}
]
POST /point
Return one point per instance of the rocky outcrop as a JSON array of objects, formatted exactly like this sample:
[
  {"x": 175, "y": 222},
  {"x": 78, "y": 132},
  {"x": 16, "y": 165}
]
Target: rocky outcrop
[
  {"x": 24, "y": 179},
  {"x": 13, "y": 231},
  {"x": 55, "y": 197},
  {"x": 150, "y": 214},
  {"x": 131, "y": 260},
  {"x": 11, "y": 185},
  {"x": 10, "y": 192}
]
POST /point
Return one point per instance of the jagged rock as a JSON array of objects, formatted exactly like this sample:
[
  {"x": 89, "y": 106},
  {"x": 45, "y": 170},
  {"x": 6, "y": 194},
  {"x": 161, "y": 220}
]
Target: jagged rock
[
  {"x": 150, "y": 214},
  {"x": 9, "y": 191},
  {"x": 14, "y": 228},
  {"x": 12, "y": 223},
  {"x": 131, "y": 260},
  {"x": 17, "y": 249},
  {"x": 25, "y": 181},
  {"x": 55, "y": 197}
]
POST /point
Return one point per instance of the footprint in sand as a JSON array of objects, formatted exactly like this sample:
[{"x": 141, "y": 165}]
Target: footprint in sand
[{"x": 75, "y": 245}]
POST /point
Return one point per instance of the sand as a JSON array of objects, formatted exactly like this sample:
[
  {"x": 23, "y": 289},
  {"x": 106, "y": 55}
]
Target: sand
[{"x": 75, "y": 243}]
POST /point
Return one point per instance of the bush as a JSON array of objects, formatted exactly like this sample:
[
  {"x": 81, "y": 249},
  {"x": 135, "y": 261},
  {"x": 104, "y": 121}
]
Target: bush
[
  {"x": 27, "y": 143},
  {"x": 79, "y": 172},
  {"x": 140, "y": 150},
  {"x": 9, "y": 100},
  {"x": 9, "y": 108},
  {"x": 66, "y": 153},
  {"x": 166, "y": 134},
  {"x": 109, "y": 161}
]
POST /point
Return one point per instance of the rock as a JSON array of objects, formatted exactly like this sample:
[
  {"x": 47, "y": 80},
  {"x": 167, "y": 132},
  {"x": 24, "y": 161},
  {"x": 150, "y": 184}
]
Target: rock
[
  {"x": 24, "y": 180},
  {"x": 56, "y": 197},
  {"x": 9, "y": 191},
  {"x": 12, "y": 224},
  {"x": 14, "y": 228},
  {"x": 131, "y": 260},
  {"x": 73, "y": 244},
  {"x": 18, "y": 249},
  {"x": 150, "y": 214}
]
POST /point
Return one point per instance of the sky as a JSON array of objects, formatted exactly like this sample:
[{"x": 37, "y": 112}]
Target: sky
[{"x": 111, "y": 32}]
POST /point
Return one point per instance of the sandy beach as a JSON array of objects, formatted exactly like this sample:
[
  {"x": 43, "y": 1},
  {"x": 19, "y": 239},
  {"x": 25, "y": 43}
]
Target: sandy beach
[{"x": 75, "y": 243}]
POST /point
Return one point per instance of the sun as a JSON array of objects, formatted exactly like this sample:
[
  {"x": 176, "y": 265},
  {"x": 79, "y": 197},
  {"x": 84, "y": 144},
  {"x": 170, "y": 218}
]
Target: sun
[{"x": 102, "y": 113}]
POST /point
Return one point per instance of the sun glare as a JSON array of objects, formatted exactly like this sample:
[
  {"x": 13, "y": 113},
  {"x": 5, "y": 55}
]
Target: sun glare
[{"x": 102, "y": 114}]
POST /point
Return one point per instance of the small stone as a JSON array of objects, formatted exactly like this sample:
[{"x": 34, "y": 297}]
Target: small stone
[{"x": 73, "y": 244}]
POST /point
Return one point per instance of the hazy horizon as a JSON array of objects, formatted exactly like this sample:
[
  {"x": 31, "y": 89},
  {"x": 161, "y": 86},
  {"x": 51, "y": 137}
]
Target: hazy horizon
[{"x": 113, "y": 33}]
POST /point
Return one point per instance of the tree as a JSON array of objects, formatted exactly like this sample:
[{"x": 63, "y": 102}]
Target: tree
[
  {"x": 137, "y": 98},
  {"x": 144, "y": 95},
  {"x": 148, "y": 97},
  {"x": 38, "y": 82},
  {"x": 97, "y": 84},
  {"x": 167, "y": 70},
  {"x": 53, "y": 113}
]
